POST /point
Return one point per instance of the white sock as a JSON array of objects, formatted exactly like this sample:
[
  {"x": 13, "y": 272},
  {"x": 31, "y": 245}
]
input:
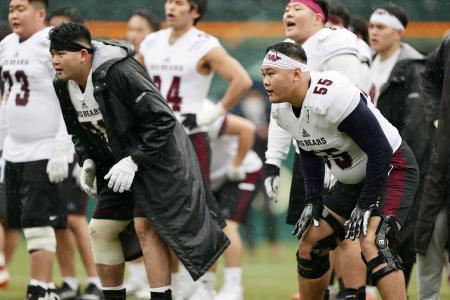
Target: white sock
[
  {"x": 232, "y": 276},
  {"x": 95, "y": 281},
  {"x": 2, "y": 260},
  {"x": 51, "y": 286},
  {"x": 35, "y": 282},
  {"x": 113, "y": 288},
  {"x": 136, "y": 272},
  {"x": 210, "y": 279},
  {"x": 160, "y": 289},
  {"x": 72, "y": 282}
]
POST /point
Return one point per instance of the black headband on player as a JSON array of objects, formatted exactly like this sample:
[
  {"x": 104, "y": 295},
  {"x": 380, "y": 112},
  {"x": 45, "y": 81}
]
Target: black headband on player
[{"x": 60, "y": 45}]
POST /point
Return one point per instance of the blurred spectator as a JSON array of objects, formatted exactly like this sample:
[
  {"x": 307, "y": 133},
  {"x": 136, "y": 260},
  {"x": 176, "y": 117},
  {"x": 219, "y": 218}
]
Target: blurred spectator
[
  {"x": 431, "y": 233},
  {"x": 395, "y": 74},
  {"x": 338, "y": 15},
  {"x": 65, "y": 14},
  {"x": 358, "y": 25},
  {"x": 140, "y": 24}
]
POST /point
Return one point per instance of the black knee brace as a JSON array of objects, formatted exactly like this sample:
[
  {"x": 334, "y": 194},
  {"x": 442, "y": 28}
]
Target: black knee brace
[
  {"x": 319, "y": 263},
  {"x": 355, "y": 294},
  {"x": 385, "y": 234}
]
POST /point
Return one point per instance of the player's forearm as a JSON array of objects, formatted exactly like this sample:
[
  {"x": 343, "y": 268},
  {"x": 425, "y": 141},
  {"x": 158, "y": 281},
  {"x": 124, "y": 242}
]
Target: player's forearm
[
  {"x": 278, "y": 144},
  {"x": 313, "y": 168},
  {"x": 237, "y": 87}
]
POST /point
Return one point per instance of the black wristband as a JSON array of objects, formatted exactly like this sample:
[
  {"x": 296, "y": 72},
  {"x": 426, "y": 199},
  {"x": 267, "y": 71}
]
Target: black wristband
[{"x": 272, "y": 170}]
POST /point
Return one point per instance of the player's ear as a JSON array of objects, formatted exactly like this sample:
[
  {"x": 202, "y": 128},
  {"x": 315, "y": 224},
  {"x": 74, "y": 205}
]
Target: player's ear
[
  {"x": 297, "y": 75},
  {"x": 84, "y": 55},
  {"x": 42, "y": 14}
]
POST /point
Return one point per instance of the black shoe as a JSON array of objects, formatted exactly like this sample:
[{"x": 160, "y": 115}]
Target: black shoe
[
  {"x": 92, "y": 292},
  {"x": 35, "y": 292},
  {"x": 52, "y": 295},
  {"x": 115, "y": 294},
  {"x": 65, "y": 292}
]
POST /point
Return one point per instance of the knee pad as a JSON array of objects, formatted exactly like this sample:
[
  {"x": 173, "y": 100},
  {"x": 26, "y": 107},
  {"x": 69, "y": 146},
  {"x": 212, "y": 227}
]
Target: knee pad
[
  {"x": 40, "y": 238},
  {"x": 106, "y": 246},
  {"x": 355, "y": 294},
  {"x": 319, "y": 263},
  {"x": 383, "y": 236}
]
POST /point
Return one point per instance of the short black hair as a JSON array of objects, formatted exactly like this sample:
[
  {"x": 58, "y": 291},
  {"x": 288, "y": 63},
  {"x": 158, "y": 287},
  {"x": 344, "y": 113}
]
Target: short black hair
[
  {"x": 292, "y": 50},
  {"x": 340, "y": 11},
  {"x": 71, "y": 13},
  {"x": 358, "y": 25},
  {"x": 152, "y": 19},
  {"x": 200, "y": 6},
  {"x": 71, "y": 32},
  {"x": 325, "y": 8},
  {"x": 396, "y": 11},
  {"x": 44, "y": 2}
]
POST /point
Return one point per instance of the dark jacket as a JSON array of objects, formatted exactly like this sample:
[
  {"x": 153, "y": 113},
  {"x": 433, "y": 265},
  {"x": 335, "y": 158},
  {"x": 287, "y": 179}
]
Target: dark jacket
[
  {"x": 401, "y": 103},
  {"x": 436, "y": 88},
  {"x": 140, "y": 124}
]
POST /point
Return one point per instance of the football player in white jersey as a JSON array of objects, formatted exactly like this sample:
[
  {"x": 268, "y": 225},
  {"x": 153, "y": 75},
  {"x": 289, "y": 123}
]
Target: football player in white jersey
[
  {"x": 182, "y": 60},
  {"x": 328, "y": 48},
  {"x": 236, "y": 174},
  {"x": 36, "y": 147},
  {"x": 334, "y": 122}
]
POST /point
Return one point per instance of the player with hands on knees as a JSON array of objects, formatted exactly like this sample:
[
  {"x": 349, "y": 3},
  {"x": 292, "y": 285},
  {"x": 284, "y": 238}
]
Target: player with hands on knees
[{"x": 335, "y": 123}]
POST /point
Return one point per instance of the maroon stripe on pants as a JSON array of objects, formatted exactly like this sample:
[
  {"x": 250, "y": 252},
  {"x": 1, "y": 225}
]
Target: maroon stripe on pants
[
  {"x": 396, "y": 184},
  {"x": 201, "y": 147},
  {"x": 246, "y": 197}
]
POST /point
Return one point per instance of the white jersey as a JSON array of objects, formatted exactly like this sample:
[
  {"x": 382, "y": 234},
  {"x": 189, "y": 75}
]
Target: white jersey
[
  {"x": 173, "y": 68},
  {"x": 88, "y": 111},
  {"x": 223, "y": 151},
  {"x": 32, "y": 117},
  {"x": 365, "y": 57},
  {"x": 322, "y": 50},
  {"x": 329, "y": 100}
]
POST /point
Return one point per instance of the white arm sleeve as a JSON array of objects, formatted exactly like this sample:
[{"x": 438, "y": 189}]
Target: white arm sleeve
[
  {"x": 278, "y": 143},
  {"x": 348, "y": 64}
]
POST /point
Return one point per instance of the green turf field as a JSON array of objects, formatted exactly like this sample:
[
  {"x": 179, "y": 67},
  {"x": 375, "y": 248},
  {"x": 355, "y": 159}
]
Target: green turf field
[{"x": 264, "y": 278}]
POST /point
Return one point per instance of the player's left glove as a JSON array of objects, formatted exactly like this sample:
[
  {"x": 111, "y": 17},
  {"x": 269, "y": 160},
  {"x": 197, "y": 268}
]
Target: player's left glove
[
  {"x": 207, "y": 117},
  {"x": 358, "y": 223},
  {"x": 235, "y": 173},
  {"x": 121, "y": 175},
  {"x": 57, "y": 166},
  {"x": 311, "y": 212},
  {"x": 271, "y": 181}
]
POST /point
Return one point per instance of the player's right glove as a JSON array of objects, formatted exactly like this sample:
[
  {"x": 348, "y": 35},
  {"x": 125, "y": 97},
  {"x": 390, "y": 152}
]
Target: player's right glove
[
  {"x": 311, "y": 212},
  {"x": 58, "y": 166},
  {"x": 87, "y": 178},
  {"x": 271, "y": 181},
  {"x": 121, "y": 175}
]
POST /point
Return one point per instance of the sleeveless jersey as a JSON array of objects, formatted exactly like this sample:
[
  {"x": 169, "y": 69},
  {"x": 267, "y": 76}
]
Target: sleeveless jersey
[
  {"x": 223, "y": 152},
  {"x": 33, "y": 118},
  {"x": 173, "y": 68},
  {"x": 329, "y": 100}
]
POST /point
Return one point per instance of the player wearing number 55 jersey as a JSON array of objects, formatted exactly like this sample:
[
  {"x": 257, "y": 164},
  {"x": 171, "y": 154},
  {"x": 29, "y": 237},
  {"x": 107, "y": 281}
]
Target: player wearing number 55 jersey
[
  {"x": 35, "y": 143},
  {"x": 181, "y": 60},
  {"x": 335, "y": 123}
]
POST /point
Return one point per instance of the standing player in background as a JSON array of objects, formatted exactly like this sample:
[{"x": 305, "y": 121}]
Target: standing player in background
[
  {"x": 396, "y": 91},
  {"x": 236, "y": 174},
  {"x": 36, "y": 146},
  {"x": 334, "y": 123},
  {"x": 181, "y": 60},
  {"x": 327, "y": 49},
  {"x": 77, "y": 233},
  {"x": 141, "y": 23}
]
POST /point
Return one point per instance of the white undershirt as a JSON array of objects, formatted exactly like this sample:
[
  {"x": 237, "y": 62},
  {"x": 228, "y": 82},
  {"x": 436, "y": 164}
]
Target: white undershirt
[{"x": 380, "y": 71}]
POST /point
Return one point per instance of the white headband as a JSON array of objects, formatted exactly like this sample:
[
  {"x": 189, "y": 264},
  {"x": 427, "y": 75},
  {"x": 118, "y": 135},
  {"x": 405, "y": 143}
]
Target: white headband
[
  {"x": 279, "y": 60},
  {"x": 383, "y": 16}
]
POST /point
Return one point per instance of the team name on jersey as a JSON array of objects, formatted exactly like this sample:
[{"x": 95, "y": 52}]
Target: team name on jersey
[
  {"x": 89, "y": 113},
  {"x": 166, "y": 67},
  {"x": 16, "y": 61},
  {"x": 314, "y": 142}
]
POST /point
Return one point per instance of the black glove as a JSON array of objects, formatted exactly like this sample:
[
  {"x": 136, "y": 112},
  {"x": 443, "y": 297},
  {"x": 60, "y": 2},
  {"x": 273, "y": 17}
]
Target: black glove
[
  {"x": 189, "y": 121},
  {"x": 358, "y": 223},
  {"x": 311, "y": 212}
]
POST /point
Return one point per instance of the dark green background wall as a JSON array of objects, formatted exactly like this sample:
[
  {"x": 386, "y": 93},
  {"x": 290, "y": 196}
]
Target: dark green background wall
[{"x": 242, "y": 9}]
